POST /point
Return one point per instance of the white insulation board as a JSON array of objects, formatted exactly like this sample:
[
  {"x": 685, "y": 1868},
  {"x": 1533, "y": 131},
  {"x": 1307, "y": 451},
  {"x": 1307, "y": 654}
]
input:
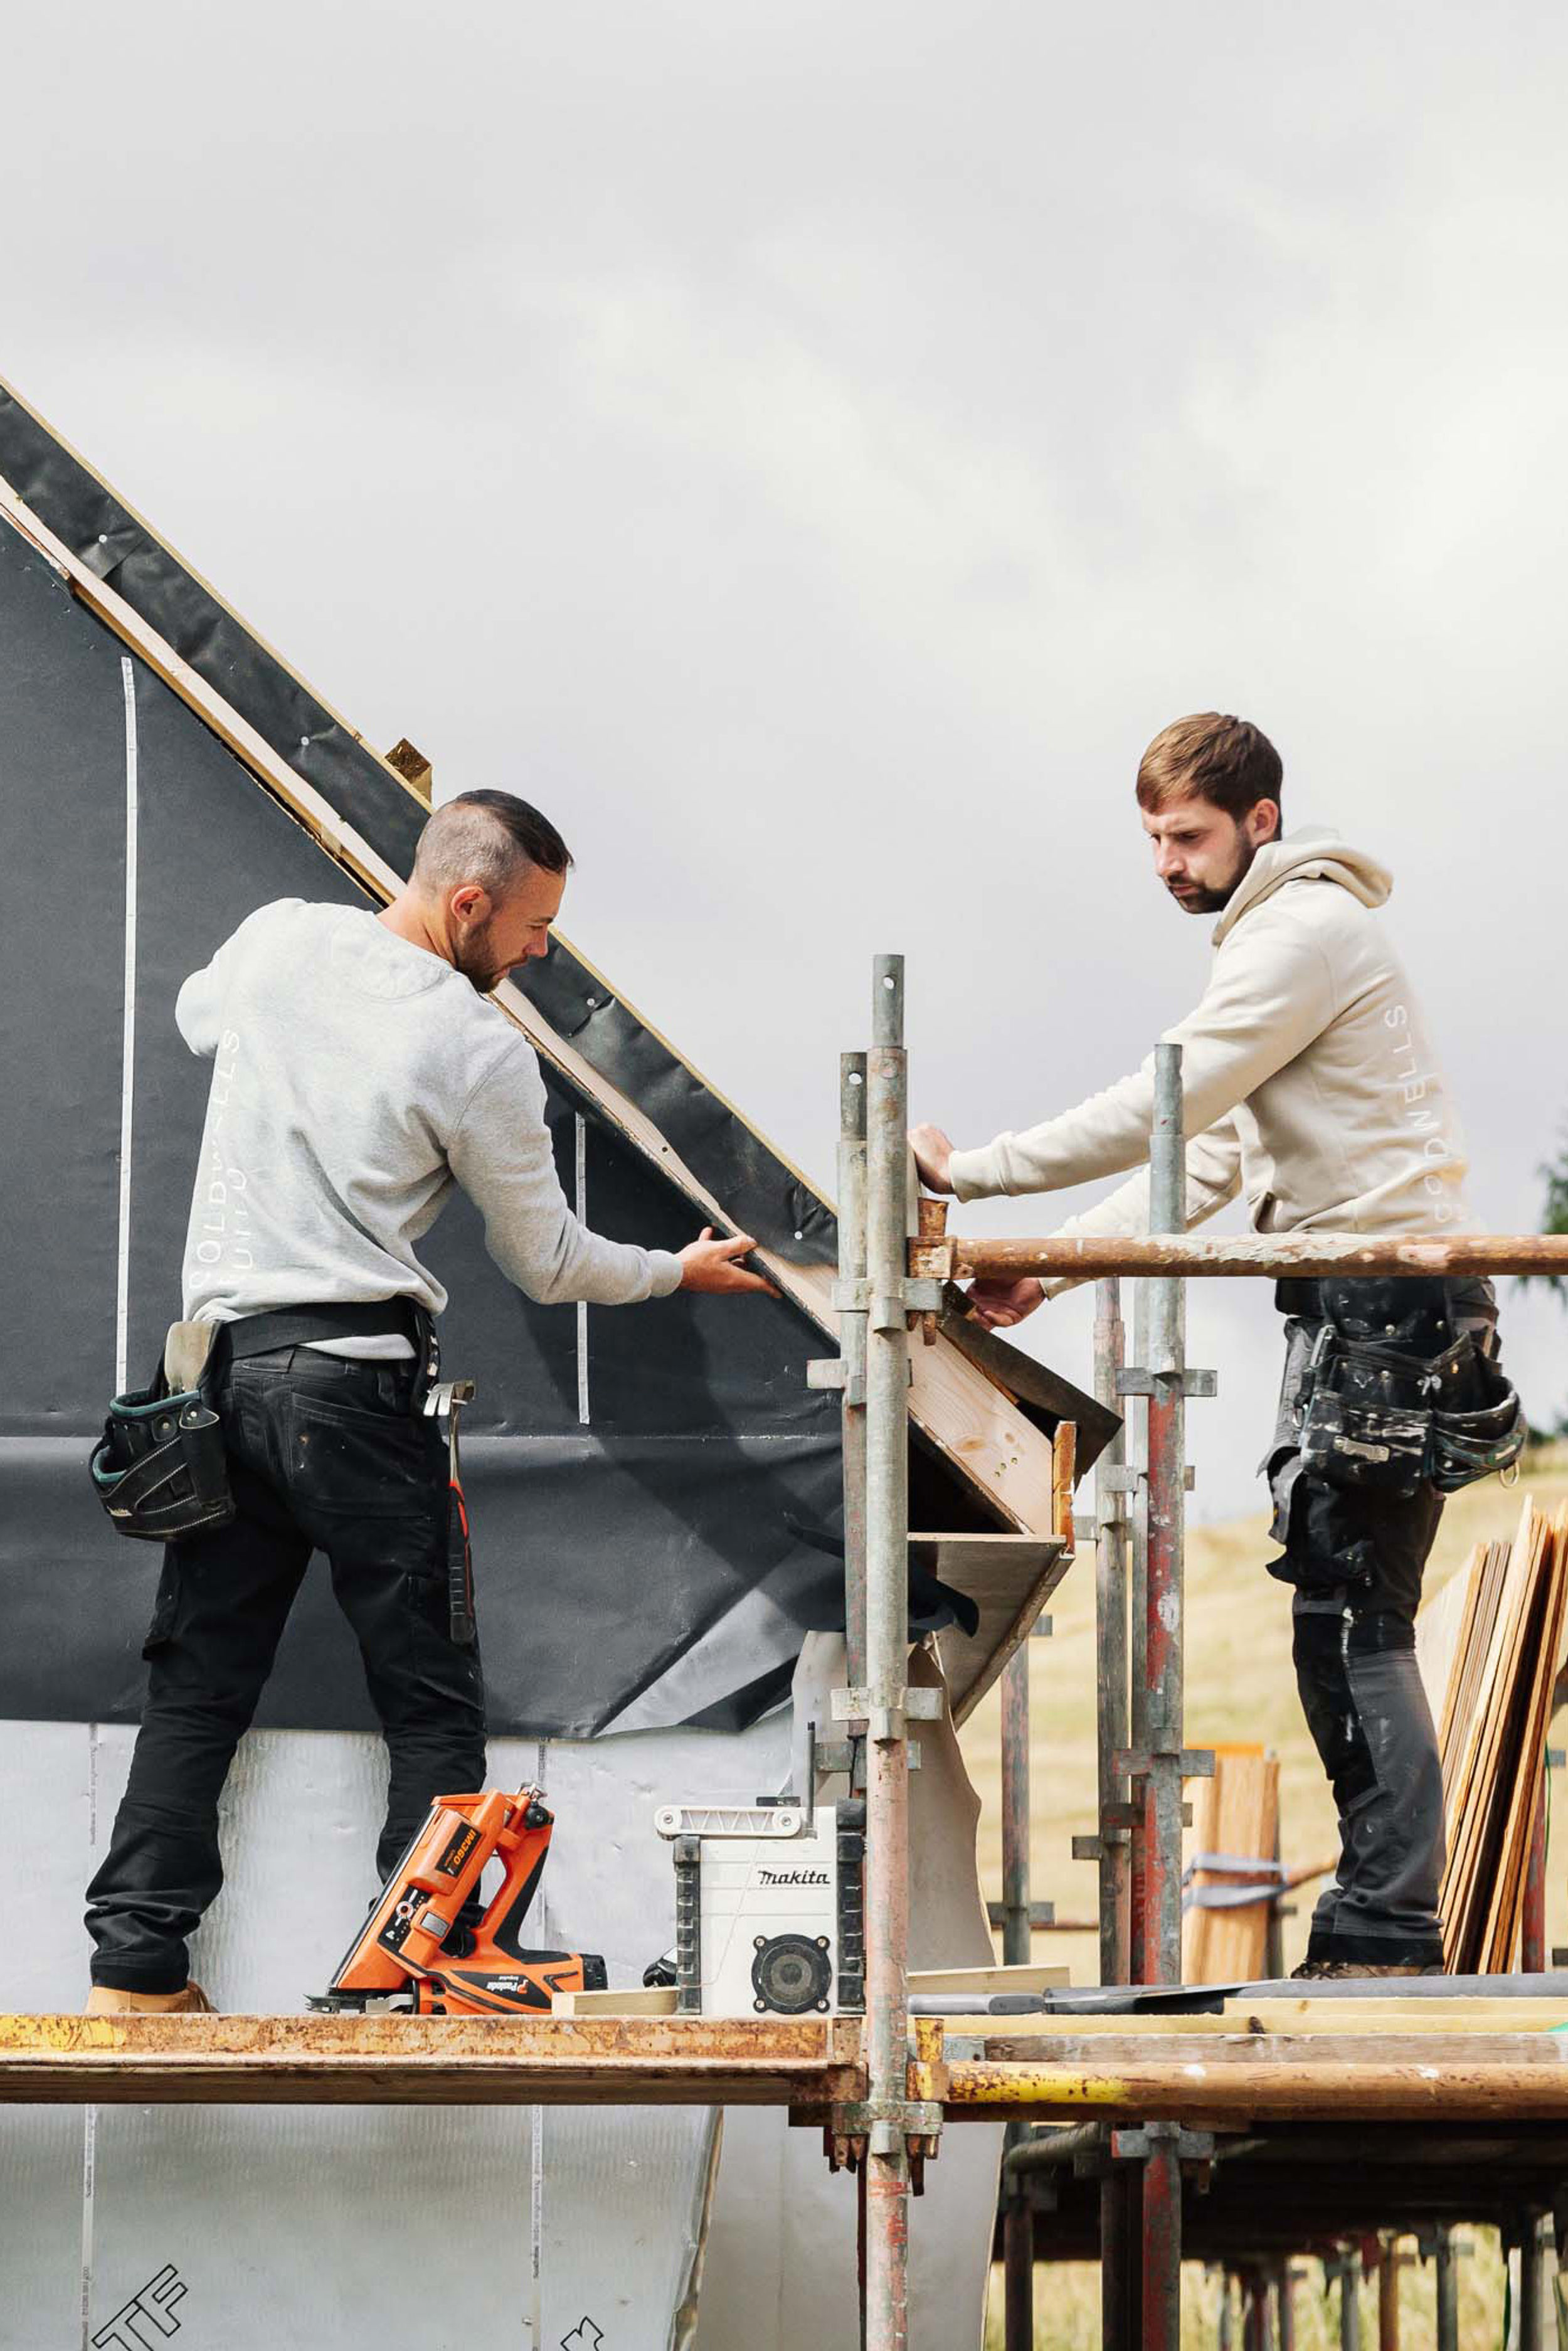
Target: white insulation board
[{"x": 555, "y": 2228}]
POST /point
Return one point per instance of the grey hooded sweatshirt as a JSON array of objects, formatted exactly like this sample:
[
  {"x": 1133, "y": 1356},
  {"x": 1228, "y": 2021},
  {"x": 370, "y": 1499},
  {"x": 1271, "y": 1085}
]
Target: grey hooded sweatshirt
[
  {"x": 357, "y": 1080},
  {"x": 1310, "y": 1079}
]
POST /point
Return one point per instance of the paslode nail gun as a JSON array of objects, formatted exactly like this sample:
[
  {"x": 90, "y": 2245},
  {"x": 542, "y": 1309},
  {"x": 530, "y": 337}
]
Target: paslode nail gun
[{"x": 416, "y": 1954}]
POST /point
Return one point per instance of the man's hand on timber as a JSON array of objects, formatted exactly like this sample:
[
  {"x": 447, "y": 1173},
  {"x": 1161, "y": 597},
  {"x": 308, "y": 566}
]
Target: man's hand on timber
[
  {"x": 711, "y": 1265},
  {"x": 931, "y": 1150},
  {"x": 1000, "y": 1304}
]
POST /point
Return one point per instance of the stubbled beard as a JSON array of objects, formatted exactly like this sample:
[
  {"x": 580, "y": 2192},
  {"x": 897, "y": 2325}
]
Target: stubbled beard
[
  {"x": 471, "y": 956},
  {"x": 1213, "y": 901}
]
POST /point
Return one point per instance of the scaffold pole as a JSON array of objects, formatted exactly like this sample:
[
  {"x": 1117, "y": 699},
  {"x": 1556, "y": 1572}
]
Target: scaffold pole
[{"x": 887, "y": 1666}]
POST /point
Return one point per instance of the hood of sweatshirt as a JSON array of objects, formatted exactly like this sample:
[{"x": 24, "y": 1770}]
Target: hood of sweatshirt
[{"x": 1313, "y": 854}]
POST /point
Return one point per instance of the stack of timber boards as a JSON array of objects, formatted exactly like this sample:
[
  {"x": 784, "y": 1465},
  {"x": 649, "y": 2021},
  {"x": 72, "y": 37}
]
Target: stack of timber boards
[
  {"x": 1490, "y": 1648},
  {"x": 1237, "y": 1820}
]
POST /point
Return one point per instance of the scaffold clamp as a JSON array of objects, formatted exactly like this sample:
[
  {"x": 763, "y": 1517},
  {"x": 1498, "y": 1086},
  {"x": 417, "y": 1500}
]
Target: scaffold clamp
[
  {"x": 1139, "y": 1763},
  {"x": 1137, "y": 1382}
]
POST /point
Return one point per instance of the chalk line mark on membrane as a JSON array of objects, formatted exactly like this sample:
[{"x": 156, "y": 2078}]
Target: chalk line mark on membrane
[
  {"x": 121, "y": 1357},
  {"x": 581, "y": 1209},
  {"x": 127, "y": 1039}
]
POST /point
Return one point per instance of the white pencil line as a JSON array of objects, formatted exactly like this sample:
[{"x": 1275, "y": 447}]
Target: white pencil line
[
  {"x": 128, "y": 1041},
  {"x": 582, "y": 1303}
]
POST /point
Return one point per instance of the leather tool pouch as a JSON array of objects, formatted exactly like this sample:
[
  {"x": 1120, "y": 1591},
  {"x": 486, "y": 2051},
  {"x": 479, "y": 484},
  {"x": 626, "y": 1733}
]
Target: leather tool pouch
[
  {"x": 160, "y": 1469},
  {"x": 1378, "y": 1419}
]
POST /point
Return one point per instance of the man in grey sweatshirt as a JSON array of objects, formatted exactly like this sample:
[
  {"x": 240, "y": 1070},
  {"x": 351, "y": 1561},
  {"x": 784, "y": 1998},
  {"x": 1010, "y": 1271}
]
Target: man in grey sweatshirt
[
  {"x": 359, "y": 1072},
  {"x": 1311, "y": 1087}
]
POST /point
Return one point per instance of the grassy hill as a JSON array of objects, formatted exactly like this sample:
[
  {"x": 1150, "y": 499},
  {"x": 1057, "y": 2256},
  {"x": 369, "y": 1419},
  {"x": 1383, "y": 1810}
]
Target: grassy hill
[{"x": 1239, "y": 1686}]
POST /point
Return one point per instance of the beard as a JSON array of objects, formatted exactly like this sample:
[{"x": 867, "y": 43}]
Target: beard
[
  {"x": 1212, "y": 901},
  {"x": 474, "y": 956}
]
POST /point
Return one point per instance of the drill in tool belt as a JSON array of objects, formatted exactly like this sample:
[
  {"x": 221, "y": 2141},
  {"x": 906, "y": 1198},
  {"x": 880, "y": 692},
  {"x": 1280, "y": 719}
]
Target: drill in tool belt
[{"x": 417, "y": 1954}]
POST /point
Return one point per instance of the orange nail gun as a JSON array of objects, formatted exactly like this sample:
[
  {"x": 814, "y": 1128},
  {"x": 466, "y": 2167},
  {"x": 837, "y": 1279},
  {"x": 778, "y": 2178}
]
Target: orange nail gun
[{"x": 413, "y": 1954}]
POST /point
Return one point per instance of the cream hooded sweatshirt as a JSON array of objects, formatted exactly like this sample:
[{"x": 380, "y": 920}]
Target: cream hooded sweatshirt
[{"x": 1311, "y": 1084}]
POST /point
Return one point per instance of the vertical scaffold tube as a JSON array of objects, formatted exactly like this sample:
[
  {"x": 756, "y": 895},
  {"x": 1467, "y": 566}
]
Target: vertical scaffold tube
[
  {"x": 1111, "y": 1638},
  {"x": 1350, "y": 2303},
  {"x": 1162, "y": 2245},
  {"x": 852, "y": 1350},
  {"x": 1446, "y": 2265},
  {"x": 1018, "y": 2270},
  {"x": 1166, "y": 1496},
  {"x": 887, "y": 1662},
  {"x": 1156, "y": 1882},
  {"x": 1117, "y": 2332},
  {"x": 1018, "y": 2210},
  {"x": 1135, "y": 1433},
  {"x": 1532, "y": 2287},
  {"x": 1388, "y": 2294},
  {"x": 1015, "y": 1936}
]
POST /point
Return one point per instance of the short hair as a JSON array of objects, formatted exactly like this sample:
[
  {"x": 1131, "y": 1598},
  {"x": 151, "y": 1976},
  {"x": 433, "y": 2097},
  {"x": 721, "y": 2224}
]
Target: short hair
[
  {"x": 1227, "y": 761},
  {"x": 488, "y": 838}
]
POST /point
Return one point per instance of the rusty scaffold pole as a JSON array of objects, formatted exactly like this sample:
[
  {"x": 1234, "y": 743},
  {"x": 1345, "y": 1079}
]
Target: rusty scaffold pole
[
  {"x": 1110, "y": 1846},
  {"x": 1274, "y": 1255},
  {"x": 889, "y": 2126},
  {"x": 851, "y": 1373},
  {"x": 1164, "y": 1384},
  {"x": 1156, "y": 1761},
  {"x": 1018, "y": 2204},
  {"x": 851, "y": 1348}
]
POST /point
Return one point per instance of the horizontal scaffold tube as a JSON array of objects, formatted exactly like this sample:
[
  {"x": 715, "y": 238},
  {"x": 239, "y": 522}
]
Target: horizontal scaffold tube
[
  {"x": 348, "y": 2060},
  {"x": 1277, "y": 2090},
  {"x": 1274, "y": 1255}
]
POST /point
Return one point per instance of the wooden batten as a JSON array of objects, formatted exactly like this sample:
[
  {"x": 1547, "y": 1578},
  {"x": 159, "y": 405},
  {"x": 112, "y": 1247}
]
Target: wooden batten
[{"x": 413, "y": 767}]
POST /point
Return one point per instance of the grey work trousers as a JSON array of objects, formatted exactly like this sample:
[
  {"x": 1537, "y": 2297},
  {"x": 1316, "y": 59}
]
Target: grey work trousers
[
  {"x": 1356, "y": 1559},
  {"x": 1367, "y": 1712}
]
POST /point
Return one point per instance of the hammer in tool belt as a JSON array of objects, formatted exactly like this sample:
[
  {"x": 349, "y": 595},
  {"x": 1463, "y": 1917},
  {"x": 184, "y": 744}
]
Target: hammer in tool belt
[{"x": 445, "y": 1403}]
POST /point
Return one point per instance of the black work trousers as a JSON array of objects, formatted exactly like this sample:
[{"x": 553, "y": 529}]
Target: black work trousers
[
  {"x": 1356, "y": 1559},
  {"x": 325, "y": 1454}
]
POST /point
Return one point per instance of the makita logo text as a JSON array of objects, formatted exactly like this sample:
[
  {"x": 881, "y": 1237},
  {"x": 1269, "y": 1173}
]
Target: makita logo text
[{"x": 793, "y": 1876}]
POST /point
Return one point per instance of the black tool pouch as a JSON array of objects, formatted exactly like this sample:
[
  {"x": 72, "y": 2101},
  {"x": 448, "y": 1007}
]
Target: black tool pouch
[
  {"x": 1364, "y": 1423},
  {"x": 1482, "y": 1433},
  {"x": 160, "y": 1469},
  {"x": 1378, "y": 1419}
]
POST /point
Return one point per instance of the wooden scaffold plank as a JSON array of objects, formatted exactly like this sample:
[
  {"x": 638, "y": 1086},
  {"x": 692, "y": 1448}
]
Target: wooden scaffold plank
[{"x": 429, "y": 2060}]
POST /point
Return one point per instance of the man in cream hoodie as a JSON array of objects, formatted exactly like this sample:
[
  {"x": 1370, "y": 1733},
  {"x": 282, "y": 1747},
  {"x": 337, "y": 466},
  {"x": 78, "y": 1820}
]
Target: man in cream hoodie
[{"x": 1310, "y": 1087}]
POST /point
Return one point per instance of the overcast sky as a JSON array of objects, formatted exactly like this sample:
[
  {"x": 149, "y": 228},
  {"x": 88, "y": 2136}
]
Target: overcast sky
[{"x": 811, "y": 449}]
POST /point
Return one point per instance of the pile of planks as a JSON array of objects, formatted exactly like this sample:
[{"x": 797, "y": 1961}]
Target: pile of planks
[{"x": 1491, "y": 1646}]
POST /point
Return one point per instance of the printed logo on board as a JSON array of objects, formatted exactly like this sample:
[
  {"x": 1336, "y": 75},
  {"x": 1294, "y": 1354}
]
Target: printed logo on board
[{"x": 148, "y": 2319}]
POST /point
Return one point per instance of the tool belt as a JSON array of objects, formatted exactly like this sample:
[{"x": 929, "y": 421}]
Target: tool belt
[
  {"x": 1378, "y": 1419},
  {"x": 161, "y": 1468}
]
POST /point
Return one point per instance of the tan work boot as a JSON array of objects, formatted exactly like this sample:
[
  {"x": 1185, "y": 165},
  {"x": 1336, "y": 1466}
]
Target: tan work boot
[{"x": 106, "y": 1999}]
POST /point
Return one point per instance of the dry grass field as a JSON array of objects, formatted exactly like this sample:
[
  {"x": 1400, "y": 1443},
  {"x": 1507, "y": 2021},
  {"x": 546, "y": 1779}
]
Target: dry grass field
[{"x": 1239, "y": 1686}]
